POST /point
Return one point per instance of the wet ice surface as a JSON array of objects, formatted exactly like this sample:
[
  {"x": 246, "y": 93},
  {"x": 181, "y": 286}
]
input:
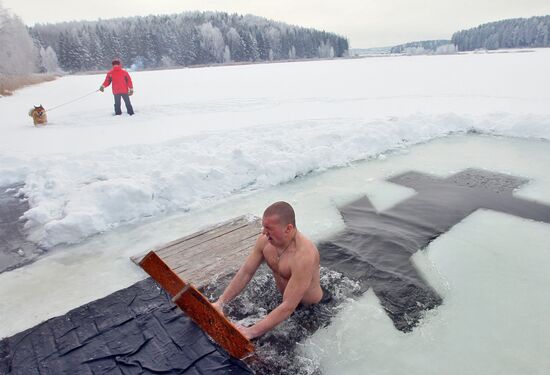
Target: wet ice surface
[
  {"x": 15, "y": 249},
  {"x": 71, "y": 276}
]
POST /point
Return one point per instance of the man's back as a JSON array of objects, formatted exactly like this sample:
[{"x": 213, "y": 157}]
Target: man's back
[{"x": 120, "y": 79}]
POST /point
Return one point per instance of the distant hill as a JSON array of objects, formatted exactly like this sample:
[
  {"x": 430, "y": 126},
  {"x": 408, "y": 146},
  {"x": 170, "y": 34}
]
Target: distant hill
[
  {"x": 511, "y": 33},
  {"x": 369, "y": 51},
  {"x": 182, "y": 39},
  {"x": 426, "y": 45}
]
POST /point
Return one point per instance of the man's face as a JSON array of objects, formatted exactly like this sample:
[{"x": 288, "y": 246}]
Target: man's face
[{"x": 275, "y": 232}]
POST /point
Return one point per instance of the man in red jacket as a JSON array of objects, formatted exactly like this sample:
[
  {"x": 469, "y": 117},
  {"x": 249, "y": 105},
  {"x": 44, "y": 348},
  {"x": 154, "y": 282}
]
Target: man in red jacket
[{"x": 122, "y": 87}]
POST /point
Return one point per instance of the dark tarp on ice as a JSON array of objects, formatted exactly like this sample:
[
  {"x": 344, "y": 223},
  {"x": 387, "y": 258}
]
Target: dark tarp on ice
[{"x": 136, "y": 330}]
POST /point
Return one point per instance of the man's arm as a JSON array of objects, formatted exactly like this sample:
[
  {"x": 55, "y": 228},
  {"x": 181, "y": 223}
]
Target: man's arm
[
  {"x": 302, "y": 273},
  {"x": 245, "y": 273},
  {"x": 107, "y": 81}
]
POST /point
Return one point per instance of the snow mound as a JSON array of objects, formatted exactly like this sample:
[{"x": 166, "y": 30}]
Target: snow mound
[{"x": 73, "y": 197}]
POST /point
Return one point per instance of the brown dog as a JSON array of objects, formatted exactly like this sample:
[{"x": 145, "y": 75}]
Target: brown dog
[{"x": 38, "y": 115}]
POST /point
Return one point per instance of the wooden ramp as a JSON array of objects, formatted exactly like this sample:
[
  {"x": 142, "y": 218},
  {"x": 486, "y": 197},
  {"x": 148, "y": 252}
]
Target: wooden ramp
[
  {"x": 213, "y": 252},
  {"x": 197, "y": 307}
]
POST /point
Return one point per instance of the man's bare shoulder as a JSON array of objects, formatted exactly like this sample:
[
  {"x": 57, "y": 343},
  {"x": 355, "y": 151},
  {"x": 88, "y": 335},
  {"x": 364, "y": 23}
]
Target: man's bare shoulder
[
  {"x": 306, "y": 249},
  {"x": 306, "y": 243},
  {"x": 261, "y": 243}
]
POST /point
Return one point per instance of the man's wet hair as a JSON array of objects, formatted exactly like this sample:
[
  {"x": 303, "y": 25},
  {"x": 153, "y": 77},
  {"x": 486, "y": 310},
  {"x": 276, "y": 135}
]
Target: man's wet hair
[{"x": 284, "y": 211}]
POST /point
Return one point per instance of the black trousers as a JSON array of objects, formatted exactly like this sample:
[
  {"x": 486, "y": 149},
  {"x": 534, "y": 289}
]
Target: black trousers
[{"x": 126, "y": 99}]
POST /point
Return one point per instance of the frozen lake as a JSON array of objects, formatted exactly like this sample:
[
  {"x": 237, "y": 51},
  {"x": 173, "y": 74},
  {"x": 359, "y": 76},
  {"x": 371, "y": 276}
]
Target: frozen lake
[
  {"x": 490, "y": 269},
  {"x": 227, "y": 141}
]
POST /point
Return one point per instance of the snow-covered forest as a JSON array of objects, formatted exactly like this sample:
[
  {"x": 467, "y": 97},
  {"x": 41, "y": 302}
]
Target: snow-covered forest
[
  {"x": 512, "y": 33},
  {"x": 182, "y": 39}
]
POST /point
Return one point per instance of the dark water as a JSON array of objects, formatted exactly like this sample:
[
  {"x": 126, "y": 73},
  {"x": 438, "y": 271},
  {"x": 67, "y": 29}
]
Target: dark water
[
  {"x": 376, "y": 247},
  {"x": 374, "y": 251},
  {"x": 15, "y": 249},
  {"x": 277, "y": 351}
]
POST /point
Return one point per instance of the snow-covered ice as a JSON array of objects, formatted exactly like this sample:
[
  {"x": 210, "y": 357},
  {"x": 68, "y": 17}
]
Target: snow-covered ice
[{"x": 208, "y": 144}]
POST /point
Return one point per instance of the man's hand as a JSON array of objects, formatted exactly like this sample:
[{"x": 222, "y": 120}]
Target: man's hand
[
  {"x": 218, "y": 306},
  {"x": 101, "y": 88},
  {"x": 130, "y": 92},
  {"x": 247, "y": 332}
]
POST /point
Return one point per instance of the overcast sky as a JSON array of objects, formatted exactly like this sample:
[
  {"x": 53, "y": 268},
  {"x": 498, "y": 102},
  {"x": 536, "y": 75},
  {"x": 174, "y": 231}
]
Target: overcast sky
[{"x": 366, "y": 23}]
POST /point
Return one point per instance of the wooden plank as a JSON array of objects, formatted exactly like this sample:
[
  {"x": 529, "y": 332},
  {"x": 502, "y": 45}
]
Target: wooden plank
[
  {"x": 215, "y": 247},
  {"x": 220, "y": 266},
  {"x": 211, "y": 269},
  {"x": 224, "y": 226},
  {"x": 196, "y": 236},
  {"x": 214, "y": 252},
  {"x": 204, "y": 235},
  {"x": 196, "y": 270},
  {"x": 197, "y": 307}
]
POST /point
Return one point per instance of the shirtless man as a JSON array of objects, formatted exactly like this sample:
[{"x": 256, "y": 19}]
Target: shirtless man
[{"x": 294, "y": 261}]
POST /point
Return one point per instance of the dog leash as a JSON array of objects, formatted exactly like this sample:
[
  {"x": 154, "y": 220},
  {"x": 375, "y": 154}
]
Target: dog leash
[{"x": 72, "y": 101}]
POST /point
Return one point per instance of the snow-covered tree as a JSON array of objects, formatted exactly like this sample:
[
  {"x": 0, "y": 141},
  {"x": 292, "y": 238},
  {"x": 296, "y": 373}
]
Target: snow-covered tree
[
  {"x": 326, "y": 50},
  {"x": 275, "y": 42},
  {"x": 226, "y": 55},
  {"x": 252, "y": 50},
  {"x": 236, "y": 45},
  {"x": 49, "y": 62},
  {"x": 167, "y": 61},
  {"x": 212, "y": 41},
  {"x": 18, "y": 54},
  {"x": 415, "y": 51},
  {"x": 446, "y": 49},
  {"x": 292, "y": 53},
  {"x": 420, "y": 47}
]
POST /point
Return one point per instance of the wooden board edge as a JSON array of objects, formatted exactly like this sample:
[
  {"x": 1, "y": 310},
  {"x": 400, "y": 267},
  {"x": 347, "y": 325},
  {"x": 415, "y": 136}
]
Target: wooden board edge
[{"x": 197, "y": 307}]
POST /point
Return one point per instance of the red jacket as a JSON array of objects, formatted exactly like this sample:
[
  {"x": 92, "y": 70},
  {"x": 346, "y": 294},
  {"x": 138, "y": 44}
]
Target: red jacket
[{"x": 121, "y": 80}]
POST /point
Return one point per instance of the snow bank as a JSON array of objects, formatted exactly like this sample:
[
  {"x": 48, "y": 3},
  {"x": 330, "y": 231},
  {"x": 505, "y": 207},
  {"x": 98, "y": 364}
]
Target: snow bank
[{"x": 77, "y": 196}]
